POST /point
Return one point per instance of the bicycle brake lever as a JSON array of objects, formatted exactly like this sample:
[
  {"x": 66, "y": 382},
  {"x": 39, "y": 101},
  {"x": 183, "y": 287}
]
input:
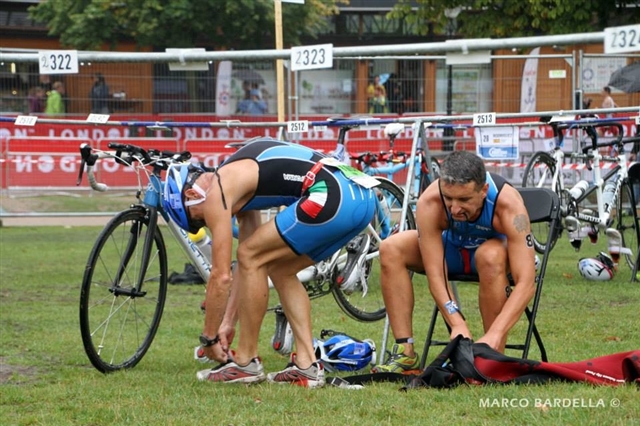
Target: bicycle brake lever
[{"x": 85, "y": 158}]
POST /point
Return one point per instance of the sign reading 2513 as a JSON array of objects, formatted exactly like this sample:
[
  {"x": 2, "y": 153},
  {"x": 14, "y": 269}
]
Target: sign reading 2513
[
  {"x": 58, "y": 61},
  {"x": 311, "y": 57}
]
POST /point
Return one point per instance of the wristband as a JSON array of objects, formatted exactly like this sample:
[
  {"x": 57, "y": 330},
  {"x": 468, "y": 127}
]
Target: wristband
[{"x": 451, "y": 307}]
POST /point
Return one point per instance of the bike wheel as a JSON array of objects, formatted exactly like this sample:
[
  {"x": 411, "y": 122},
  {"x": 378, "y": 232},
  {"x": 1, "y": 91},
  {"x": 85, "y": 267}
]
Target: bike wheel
[
  {"x": 627, "y": 221},
  {"x": 118, "y": 318},
  {"x": 365, "y": 302},
  {"x": 539, "y": 174}
]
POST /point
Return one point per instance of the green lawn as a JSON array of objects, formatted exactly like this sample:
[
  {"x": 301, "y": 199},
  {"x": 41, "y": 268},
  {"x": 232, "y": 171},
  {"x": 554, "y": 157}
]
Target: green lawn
[{"x": 46, "y": 379}]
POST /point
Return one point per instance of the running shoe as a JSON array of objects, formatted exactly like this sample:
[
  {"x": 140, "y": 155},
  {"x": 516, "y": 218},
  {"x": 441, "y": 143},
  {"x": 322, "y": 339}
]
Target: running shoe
[
  {"x": 230, "y": 372},
  {"x": 312, "y": 377},
  {"x": 357, "y": 250},
  {"x": 398, "y": 362}
]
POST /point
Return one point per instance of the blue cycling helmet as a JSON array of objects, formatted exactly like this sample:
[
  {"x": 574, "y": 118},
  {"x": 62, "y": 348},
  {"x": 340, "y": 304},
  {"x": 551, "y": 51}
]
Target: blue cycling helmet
[
  {"x": 180, "y": 177},
  {"x": 343, "y": 353}
]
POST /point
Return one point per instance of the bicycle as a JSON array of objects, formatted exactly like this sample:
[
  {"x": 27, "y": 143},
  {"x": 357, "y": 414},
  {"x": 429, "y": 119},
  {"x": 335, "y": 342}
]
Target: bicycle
[
  {"x": 545, "y": 170},
  {"x": 124, "y": 286}
]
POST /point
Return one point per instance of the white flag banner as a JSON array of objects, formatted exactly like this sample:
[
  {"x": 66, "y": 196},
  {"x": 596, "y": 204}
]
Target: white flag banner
[
  {"x": 529, "y": 83},
  {"x": 223, "y": 89}
]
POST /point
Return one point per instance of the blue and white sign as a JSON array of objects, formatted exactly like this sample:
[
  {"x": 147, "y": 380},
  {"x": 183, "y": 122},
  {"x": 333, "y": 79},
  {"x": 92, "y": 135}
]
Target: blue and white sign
[{"x": 497, "y": 143}]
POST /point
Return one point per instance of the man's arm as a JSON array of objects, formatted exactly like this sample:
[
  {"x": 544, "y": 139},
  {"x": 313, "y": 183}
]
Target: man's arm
[
  {"x": 248, "y": 222},
  {"x": 218, "y": 220},
  {"x": 431, "y": 220},
  {"x": 513, "y": 221}
]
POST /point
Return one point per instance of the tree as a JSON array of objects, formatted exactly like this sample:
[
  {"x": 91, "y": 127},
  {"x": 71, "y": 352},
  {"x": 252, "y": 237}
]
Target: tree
[
  {"x": 517, "y": 18},
  {"x": 239, "y": 24}
]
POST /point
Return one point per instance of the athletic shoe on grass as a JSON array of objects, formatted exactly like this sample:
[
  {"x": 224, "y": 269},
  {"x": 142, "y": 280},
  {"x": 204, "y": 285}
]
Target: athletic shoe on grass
[
  {"x": 230, "y": 372},
  {"x": 312, "y": 377},
  {"x": 398, "y": 362}
]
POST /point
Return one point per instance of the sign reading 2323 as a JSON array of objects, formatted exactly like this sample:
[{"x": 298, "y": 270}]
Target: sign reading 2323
[{"x": 311, "y": 57}]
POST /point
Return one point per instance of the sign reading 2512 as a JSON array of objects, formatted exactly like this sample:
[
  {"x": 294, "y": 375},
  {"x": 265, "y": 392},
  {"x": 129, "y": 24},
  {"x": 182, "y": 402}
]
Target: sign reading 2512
[
  {"x": 311, "y": 57},
  {"x": 58, "y": 61}
]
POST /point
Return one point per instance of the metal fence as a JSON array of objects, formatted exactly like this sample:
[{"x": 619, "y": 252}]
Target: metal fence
[{"x": 436, "y": 79}]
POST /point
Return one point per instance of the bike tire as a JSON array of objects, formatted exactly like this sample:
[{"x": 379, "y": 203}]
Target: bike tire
[
  {"x": 539, "y": 173},
  {"x": 366, "y": 303},
  {"x": 117, "y": 325},
  {"x": 627, "y": 221}
]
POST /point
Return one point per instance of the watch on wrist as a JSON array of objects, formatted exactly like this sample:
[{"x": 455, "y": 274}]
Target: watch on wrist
[{"x": 206, "y": 341}]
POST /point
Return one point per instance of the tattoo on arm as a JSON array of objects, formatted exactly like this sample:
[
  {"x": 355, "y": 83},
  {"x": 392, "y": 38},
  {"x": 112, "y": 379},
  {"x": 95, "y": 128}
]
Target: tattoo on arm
[{"x": 521, "y": 223}]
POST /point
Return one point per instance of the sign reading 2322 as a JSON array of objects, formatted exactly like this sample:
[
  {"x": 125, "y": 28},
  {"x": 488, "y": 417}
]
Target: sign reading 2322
[
  {"x": 311, "y": 57},
  {"x": 58, "y": 61}
]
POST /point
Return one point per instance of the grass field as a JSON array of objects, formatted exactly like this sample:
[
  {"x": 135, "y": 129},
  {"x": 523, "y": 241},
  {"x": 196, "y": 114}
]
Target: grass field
[{"x": 46, "y": 379}]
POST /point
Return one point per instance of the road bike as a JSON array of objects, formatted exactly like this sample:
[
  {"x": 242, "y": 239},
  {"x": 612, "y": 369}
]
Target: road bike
[
  {"x": 124, "y": 286},
  {"x": 615, "y": 201}
]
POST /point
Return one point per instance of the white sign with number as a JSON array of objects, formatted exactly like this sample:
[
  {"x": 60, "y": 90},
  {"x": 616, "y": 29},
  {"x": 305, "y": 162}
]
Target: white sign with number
[
  {"x": 484, "y": 119},
  {"x": 26, "y": 120},
  {"x": 311, "y": 57},
  {"x": 58, "y": 61},
  {"x": 497, "y": 143},
  {"x": 622, "y": 39},
  {"x": 98, "y": 118},
  {"x": 297, "y": 126}
]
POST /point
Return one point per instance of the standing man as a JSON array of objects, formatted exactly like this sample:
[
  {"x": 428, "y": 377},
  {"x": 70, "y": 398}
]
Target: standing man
[
  {"x": 99, "y": 95},
  {"x": 325, "y": 210},
  {"x": 469, "y": 222}
]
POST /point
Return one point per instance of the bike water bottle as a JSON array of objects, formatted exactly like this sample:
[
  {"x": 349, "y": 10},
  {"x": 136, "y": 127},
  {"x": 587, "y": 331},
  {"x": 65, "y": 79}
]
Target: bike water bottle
[
  {"x": 579, "y": 189},
  {"x": 203, "y": 242},
  {"x": 609, "y": 190},
  {"x": 282, "y": 340}
]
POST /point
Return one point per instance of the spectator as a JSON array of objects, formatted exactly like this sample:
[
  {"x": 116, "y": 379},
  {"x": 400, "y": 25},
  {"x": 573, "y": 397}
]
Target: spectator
[
  {"x": 254, "y": 105},
  {"x": 607, "y": 100},
  {"x": 396, "y": 99},
  {"x": 36, "y": 100},
  {"x": 99, "y": 95},
  {"x": 55, "y": 103},
  {"x": 371, "y": 89},
  {"x": 378, "y": 103}
]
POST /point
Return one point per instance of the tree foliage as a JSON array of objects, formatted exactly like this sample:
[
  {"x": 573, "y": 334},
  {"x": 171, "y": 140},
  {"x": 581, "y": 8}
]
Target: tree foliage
[
  {"x": 239, "y": 24},
  {"x": 517, "y": 18}
]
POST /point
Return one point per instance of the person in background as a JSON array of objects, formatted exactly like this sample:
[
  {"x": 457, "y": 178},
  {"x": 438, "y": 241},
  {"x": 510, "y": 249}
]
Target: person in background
[
  {"x": 607, "y": 100},
  {"x": 55, "y": 103},
  {"x": 378, "y": 104},
  {"x": 375, "y": 84},
  {"x": 255, "y": 105},
  {"x": 36, "y": 100},
  {"x": 99, "y": 95}
]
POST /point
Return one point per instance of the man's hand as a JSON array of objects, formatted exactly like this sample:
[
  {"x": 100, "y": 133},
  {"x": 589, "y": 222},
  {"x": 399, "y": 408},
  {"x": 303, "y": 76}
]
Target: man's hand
[
  {"x": 226, "y": 333},
  {"x": 216, "y": 353},
  {"x": 460, "y": 329},
  {"x": 494, "y": 341}
]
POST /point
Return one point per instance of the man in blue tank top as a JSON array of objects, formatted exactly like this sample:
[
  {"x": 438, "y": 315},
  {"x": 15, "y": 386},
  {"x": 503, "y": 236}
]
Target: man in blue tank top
[
  {"x": 469, "y": 222},
  {"x": 324, "y": 210}
]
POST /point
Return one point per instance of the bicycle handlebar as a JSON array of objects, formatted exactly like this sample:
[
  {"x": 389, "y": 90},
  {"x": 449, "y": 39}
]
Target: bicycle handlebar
[{"x": 126, "y": 154}]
